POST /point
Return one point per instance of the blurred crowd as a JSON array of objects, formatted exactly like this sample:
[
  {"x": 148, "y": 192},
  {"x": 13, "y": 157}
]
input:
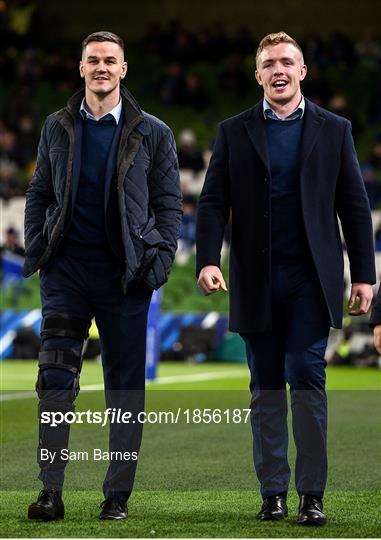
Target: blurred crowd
[
  {"x": 181, "y": 49},
  {"x": 194, "y": 80}
]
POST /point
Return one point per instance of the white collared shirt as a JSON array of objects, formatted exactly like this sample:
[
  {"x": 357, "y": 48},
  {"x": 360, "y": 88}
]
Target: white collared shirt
[
  {"x": 297, "y": 113},
  {"x": 116, "y": 111}
]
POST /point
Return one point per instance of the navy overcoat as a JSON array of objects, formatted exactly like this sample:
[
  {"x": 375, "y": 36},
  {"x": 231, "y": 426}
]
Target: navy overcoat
[{"x": 238, "y": 183}]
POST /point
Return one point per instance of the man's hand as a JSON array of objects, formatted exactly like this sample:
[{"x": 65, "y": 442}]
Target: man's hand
[
  {"x": 364, "y": 292},
  {"x": 211, "y": 280},
  {"x": 377, "y": 338}
]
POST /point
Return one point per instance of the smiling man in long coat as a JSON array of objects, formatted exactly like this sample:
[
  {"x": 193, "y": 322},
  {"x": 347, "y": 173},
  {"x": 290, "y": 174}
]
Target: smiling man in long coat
[{"x": 285, "y": 171}]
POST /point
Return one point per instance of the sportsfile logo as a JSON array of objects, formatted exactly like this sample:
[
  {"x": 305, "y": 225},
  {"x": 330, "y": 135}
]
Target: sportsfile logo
[
  {"x": 112, "y": 415},
  {"x": 118, "y": 416}
]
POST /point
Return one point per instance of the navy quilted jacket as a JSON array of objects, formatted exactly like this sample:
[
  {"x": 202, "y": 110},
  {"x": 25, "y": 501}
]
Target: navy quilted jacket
[{"x": 148, "y": 186}]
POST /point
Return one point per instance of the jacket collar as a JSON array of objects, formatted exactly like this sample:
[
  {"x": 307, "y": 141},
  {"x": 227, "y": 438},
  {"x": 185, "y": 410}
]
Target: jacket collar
[
  {"x": 133, "y": 115},
  {"x": 132, "y": 112},
  {"x": 255, "y": 127}
]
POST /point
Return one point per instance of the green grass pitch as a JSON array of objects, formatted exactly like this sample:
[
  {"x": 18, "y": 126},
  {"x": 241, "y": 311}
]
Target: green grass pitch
[{"x": 193, "y": 480}]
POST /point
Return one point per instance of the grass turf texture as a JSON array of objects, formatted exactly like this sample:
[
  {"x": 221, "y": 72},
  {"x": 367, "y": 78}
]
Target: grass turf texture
[
  {"x": 193, "y": 480},
  {"x": 193, "y": 514}
]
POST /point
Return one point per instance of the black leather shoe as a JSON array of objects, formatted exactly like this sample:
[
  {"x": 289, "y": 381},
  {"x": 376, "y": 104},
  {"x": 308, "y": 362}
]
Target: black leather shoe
[
  {"x": 273, "y": 508},
  {"x": 49, "y": 506},
  {"x": 113, "y": 508},
  {"x": 311, "y": 511}
]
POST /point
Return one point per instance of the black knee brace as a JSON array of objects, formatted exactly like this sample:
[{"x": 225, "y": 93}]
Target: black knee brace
[
  {"x": 61, "y": 325},
  {"x": 68, "y": 360}
]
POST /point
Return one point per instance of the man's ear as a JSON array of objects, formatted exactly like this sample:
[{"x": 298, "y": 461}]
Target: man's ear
[
  {"x": 303, "y": 72},
  {"x": 258, "y": 77},
  {"x": 81, "y": 69},
  {"x": 124, "y": 70}
]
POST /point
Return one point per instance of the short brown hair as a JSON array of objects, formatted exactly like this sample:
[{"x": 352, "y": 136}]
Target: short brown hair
[
  {"x": 103, "y": 35},
  {"x": 275, "y": 39}
]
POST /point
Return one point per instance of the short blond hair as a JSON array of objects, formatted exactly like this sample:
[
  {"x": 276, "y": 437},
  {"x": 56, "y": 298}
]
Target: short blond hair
[{"x": 275, "y": 39}]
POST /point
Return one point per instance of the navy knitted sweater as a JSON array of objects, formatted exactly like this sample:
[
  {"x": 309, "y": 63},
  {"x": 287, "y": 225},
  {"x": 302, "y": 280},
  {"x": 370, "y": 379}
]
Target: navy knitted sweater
[
  {"x": 87, "y": 233},
  {"x": 288, "y": 239}
]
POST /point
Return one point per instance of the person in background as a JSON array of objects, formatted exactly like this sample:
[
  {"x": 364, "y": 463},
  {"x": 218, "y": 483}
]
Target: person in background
[
  {"x": 12, "y": 242},
  {"x": 189, "y": 154}
]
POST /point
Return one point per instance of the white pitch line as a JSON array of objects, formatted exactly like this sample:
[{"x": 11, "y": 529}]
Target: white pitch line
[
  {"x": 17, "y": 395},
  {"x": 208, "y": 376},
  {"x": 173, "y": 379}
]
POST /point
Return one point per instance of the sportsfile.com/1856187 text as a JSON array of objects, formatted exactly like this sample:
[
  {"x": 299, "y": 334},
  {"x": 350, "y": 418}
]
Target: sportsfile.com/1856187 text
[{"x": 119, "y": 416}]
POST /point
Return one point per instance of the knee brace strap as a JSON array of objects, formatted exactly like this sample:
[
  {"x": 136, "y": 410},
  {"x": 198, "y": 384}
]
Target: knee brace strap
[
  {"x": 61, "y": 325},
  {"x": 54, "y": 358}
]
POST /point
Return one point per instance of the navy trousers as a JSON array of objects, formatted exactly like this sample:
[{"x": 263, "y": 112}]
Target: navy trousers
[
  {"x": 293, "y": 352},
  {"x": 84, "y": 289}
]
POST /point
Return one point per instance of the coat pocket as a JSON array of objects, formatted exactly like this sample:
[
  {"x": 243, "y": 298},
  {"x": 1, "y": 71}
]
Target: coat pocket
[
  {"x": 152, "y": 238},
  {"x": 147, "y": 248},
  {"x": 51, "y": 217},
  {"x": 36, "y": 247}
]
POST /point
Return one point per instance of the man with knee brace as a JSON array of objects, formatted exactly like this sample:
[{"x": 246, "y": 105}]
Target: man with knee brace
[{"x": 102, "y": 218}]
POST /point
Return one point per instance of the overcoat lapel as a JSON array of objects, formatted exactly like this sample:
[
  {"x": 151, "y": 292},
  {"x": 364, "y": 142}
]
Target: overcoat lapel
[
  {"x": 313, "y": 122},
  {"x": 255, "y": 127}
]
